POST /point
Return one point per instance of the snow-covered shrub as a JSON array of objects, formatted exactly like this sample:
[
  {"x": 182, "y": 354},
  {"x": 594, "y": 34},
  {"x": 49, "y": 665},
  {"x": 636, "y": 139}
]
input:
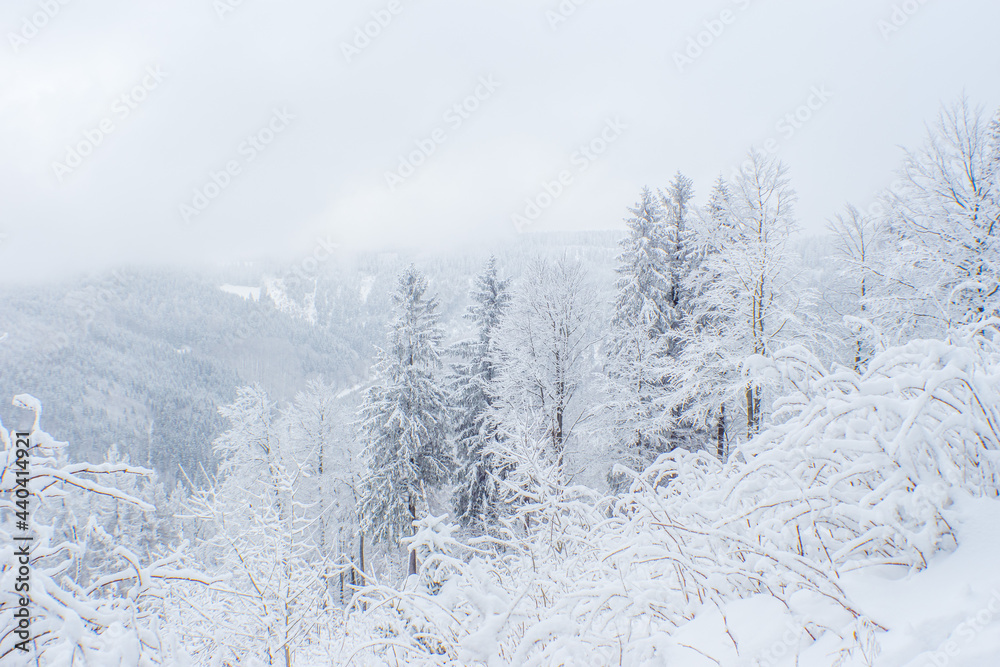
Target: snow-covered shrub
[
  {"x": 864, "y": 467},
  {"x": 111, "y": 618}
]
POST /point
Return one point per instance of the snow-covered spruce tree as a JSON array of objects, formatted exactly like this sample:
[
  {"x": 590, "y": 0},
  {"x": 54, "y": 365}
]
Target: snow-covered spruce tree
[
  {"x": 316, "y": 427},
  {"x": 677, "y": 203},
  {"x": 260, "y": 534},
  {"x": 403, "y": 423},
  {"x": 541, "y": 355},
  {"x": 714, "y": 223},
  {"x": 476, "y": 494},
  {"x": 638, "y": 339},
  {"x": 740, "y": 304},
  {"x": 945, "y": 223},
  {"x": 681, "y": 246}
]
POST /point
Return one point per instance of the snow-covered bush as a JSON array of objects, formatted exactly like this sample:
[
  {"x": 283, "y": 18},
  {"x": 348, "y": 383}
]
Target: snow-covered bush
[
  {"x": 865, "y": 467},
  {"x": 112, "y": 617}
]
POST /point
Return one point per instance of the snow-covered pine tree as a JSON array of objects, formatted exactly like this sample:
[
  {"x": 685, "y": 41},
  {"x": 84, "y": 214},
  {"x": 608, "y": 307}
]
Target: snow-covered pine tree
[
  {"x": 676, "y": 201},
  {"x": 682, "y": 257},
  {"x": 476, "y": 495},
  {"x": 740, "y": 306},
  {"x": 403, "y": 423},
  {"x": 945, "y": 222},
  {"x": 641, "y": 319},
  {"x": 717, "y": 209},
  {"x": 994, "y": 152},
  {"x": 699, "y": 381},
  {"x": 718, "y": 217},
  {"x": 542, "y": 349}
]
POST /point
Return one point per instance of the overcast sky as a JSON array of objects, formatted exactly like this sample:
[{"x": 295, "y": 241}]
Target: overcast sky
[{"x": 114, "y": 115}]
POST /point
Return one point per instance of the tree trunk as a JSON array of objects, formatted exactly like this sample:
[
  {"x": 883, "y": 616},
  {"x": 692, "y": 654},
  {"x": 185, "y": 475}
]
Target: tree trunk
[
  {"x": 351, "y": 579},
  {"x": 559, "y": 438},
  {"x": 361, "y": 561},
  {"x": 412, "y": 567},
  {"x": 857, "y": 354},
  {"x": 721, "y": 433},
  {"x": 756, "y": 409}
]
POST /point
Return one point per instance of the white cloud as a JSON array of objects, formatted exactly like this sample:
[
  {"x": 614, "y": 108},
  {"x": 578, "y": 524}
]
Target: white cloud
[{"x": 326, "y": 172}]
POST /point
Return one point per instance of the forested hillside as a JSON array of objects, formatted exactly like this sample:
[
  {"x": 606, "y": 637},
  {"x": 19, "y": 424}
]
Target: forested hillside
[{"x": 143, "y": 359}]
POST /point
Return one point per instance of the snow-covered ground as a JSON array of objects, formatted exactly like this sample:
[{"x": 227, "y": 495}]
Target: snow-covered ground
[
  {"x": 242, "y": 291},
  {"x": 946, "y": 614},
  {"x": 949, "y": 613}
]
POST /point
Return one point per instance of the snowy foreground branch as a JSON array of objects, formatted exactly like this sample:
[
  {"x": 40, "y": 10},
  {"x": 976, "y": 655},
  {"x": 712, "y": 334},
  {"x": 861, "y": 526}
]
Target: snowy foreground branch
[
  {"x": 861, "y": 471},
  {"x": 113, "y": 619}
]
